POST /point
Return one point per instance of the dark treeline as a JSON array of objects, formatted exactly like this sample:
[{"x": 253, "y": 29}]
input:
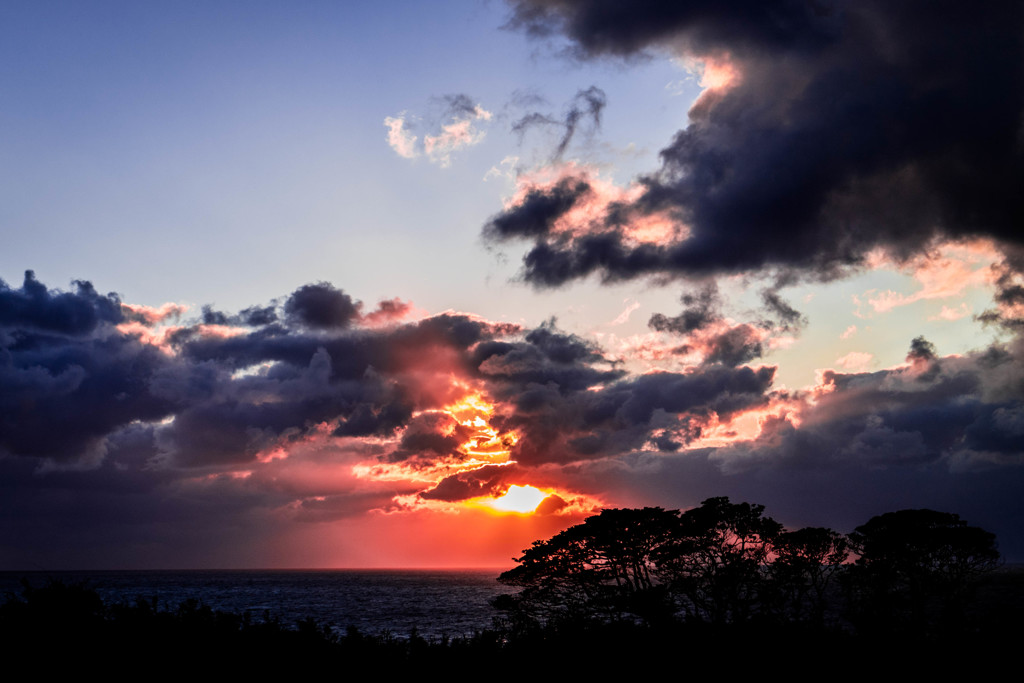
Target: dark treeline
[
  {"x": 721, "y": 587},
  {"x": 723, "y": 563}
]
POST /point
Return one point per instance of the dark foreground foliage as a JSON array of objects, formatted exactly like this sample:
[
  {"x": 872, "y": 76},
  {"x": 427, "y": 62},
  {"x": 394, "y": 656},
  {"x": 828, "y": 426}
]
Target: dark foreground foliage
[
  {"x": 66, "y": 628},
  {"x": 60, "y": 629}
]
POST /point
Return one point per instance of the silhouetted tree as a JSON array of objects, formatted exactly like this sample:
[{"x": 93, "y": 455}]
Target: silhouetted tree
[
  {"x": 601, "y": 568},
  {"x": 716, "y": 562},
  {"x": 725, "y": 563},
  {"x": 915, "y": 568},
  {"x": 805, "y": 564}
]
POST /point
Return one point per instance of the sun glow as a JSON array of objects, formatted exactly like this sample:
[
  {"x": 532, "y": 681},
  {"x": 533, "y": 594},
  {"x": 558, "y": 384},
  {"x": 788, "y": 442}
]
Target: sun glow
[{"x": 522, "y": 499}]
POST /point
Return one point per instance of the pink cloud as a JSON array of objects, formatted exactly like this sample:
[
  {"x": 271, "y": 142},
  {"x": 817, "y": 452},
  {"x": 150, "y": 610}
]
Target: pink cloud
[
  {"x": 947, "y": 313},
  {"x": 623, "y": 317},
  {"x": 148, "y": 315},
  {"x": 388, "y": 311},
  {"x": 400, "y": 138},
  {"x": 946, "y": 272}
]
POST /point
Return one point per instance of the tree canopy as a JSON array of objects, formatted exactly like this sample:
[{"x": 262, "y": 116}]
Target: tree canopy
[
  {"x": 729, "y": 563},
  {"x": 915, "y": 566},
  {"x": 605, "y": 565}
]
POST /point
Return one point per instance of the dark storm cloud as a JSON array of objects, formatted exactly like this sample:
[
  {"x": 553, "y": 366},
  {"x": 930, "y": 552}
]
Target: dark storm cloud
[
  {"x": 363, "y": 382},
  {"x": 921, "y": 350},
  {"x": 430, "y": 437},
  {"x": 341, "y": 506},
  {"x": 69, "y": 381},
  {"x": 321, "y": 306},
  {"x": 125, "y": 512},
  {"x": 548, "y": 359},
  {"x": 849, "y": 126},
  {"x": 704, "y": 329},
  {"x": 257, "y": 316},
  {"x": 560, "y": 424},
  {"x": 73, "y": 382},
  {"x": 489, "y": 480},
  {"x": 963, "y": 412},
  {"x": 627, "y": 28},
  {"x": 735, "y": 346},
  {"x": 377, "y": 418},
  {"x": 254, "y": 316},
  {"x": 73, "y": 313},
  {"x": 700, "y": 310},
  {"x": 535, "y": 215},
  {"x": 566, "y": 402},
  {"x": 60, "y": 399},
  {"x": 1009, "y": 296},
  {"x": 781, "y": 314},
  {"x": 560, "y": 347},
  {"x": 214, "y": 317}
]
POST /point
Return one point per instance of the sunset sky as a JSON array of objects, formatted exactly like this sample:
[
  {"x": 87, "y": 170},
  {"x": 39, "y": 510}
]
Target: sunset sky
[{"x": 326, "y": 284}]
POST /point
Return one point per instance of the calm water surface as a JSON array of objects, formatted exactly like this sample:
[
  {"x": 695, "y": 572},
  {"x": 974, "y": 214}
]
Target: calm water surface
[{"x": 435, "y": 603}]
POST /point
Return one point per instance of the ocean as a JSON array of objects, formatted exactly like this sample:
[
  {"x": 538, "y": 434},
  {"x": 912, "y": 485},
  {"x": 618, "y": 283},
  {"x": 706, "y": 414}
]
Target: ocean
[{"x": 434, "y": 603}]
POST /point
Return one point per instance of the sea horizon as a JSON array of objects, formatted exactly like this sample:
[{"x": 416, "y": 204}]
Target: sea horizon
[{"x": 434, "y": 603}]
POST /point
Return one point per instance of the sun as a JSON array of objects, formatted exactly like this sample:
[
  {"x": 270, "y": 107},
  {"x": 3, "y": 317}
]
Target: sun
[{"x": 522, "y": 499}]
